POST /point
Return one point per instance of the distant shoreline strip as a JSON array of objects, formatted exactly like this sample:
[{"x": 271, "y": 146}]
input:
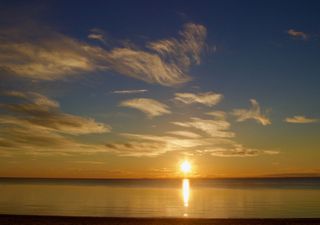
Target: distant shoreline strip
[{"x": 68, "y": 220}]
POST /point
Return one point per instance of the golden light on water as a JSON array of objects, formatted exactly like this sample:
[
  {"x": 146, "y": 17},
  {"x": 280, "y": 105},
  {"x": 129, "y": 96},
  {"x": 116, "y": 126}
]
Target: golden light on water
[
  {"x": 185, "y": 168},
  {"x": 185, "y": 192}
]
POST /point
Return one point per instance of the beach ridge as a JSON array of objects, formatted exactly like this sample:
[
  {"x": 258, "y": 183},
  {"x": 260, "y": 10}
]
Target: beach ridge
[{"x": 68, "y": 220}]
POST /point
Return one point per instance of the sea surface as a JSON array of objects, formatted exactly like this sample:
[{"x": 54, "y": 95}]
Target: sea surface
[{"x": 194, "y": 198}]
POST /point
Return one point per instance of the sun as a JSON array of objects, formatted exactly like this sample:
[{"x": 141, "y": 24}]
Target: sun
[{"x": 185, "y": 167}]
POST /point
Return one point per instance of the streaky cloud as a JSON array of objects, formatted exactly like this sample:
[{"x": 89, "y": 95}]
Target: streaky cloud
[
  {"x": 43, "y": 112},
  {"x": 150, "y": 107},
  {"x": 182, "y": 133},
  {"x": 97, "y": 34},
  {"x": 134, "y": 91},
  {"x": 301, "y": 120},
  {"x": 213, "y": 128},
  {"x": 297, "y": 34},
  {"x": 219, "y": 115},
  {"x": 216, "y": 139},
  {"x": 43, "y": 54},
  {"x": 34, "y": 140},
  {"x": 143, "y": 145},
  {"x": 253, "y": 113},
  {"x": 36, "y": 126},
  {"x": 233, "y": 149},
  {"x": 39, "y": 53},
  {"x": 205, "y": 98},
  {"x": 185, "y": 51}
]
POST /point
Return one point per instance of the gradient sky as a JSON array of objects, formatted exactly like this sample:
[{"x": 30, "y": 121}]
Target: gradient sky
[{"x": 132, "y": 88}]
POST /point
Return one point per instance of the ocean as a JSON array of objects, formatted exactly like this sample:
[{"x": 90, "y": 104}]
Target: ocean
[{"x": 191, "y": 198}]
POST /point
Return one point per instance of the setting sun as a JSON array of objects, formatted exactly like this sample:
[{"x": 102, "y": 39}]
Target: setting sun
[
  {"x": 185, "y": 167},
  {"x": 159, "y": 112}
]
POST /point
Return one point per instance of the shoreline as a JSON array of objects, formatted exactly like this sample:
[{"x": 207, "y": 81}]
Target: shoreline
[{"x": 68, "y": 220}]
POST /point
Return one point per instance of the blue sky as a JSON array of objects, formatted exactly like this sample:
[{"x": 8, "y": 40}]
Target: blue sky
[{"x": 231, "y": 85}]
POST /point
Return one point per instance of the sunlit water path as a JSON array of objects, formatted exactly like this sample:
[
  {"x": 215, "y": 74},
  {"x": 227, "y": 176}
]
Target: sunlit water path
[{"x": 224, "y": 198}]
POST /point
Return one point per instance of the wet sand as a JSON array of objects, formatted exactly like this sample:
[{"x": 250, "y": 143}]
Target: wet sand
[{"x": 49, "y": 220}]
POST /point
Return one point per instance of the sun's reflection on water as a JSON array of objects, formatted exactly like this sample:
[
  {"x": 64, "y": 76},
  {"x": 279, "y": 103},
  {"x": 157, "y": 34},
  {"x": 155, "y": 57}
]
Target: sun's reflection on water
[{"x": 185, "y": 192}]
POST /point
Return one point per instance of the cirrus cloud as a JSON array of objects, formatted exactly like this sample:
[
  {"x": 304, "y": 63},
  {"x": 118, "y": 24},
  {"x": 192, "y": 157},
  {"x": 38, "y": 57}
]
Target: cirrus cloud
[
  {"x": 135, "y": 91},
  {"x": 253, "y": 113},
  {"x": 37, "y": 126},
  {"x": 39, "y": 53},
  {"x": 40, "y": 111},
  {"x": 97, "y": 34},
  {"x": 220, "y": 115},
  {"x": 213, "y": 128},
  {"x": 182, "y": 133},
  {"x": 234, "y": 149},
  {"x": 301, "y": 119},
  {"x": 148, "y": 106},
  {"x": 142, "y": 145},
  {"x": 205, "y": 98},
  {"x": 42, "y": 54},
  {"x": 297, "y": 34}
]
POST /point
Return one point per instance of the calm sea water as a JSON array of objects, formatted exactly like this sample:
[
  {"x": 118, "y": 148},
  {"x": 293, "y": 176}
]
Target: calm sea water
[{"x": 222, "y": 198}]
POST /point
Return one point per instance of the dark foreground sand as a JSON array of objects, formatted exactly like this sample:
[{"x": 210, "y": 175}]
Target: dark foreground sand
[{"x": 48, "y": 220}]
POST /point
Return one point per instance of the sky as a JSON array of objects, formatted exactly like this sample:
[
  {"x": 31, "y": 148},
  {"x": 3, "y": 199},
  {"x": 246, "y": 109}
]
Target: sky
[{"x": 130, "y": 89}]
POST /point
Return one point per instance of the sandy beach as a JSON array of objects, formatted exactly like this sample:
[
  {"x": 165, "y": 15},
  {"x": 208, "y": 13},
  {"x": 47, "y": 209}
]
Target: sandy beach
[{"x": 48, "y": 220}]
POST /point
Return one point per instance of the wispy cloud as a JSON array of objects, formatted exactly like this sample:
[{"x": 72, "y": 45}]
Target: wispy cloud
[
  {"x": 253, "y": 113},
  {"x": 186, "y": 50},
  {"x": 301, "y": 119},
  {"x": 233, "y": 149},
  {"x": 96, "y": 37},
  {"x": 141, "y": 145},
  {"x": 148, "y": 106},
  {"x": 213, "y": 128},
  {"x": 37, "y": 126},
  {"x": 168, "y": 60},
  {"x": 97, "y": 34},
  {"x": 130, "y": 91},
  {"x": 42, "y": 54},
  {"x": 205, "y": 98},
  {"x": 216, "y": 139},
  {"x": 219, "y": 115},
  {"x": 297, "y": 34},
  {"x": 137, "y": 148},
  {"x": 43, "y": 112},
  {"x": 151, "y": 145},
  {"x": 28, "y": 139},
  {"x": 187, "y": 134}
]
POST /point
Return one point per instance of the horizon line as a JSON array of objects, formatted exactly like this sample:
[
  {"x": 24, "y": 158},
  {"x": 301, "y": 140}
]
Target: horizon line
[{"x": 160, "y": 178}]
